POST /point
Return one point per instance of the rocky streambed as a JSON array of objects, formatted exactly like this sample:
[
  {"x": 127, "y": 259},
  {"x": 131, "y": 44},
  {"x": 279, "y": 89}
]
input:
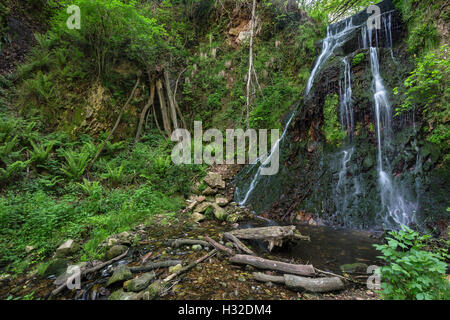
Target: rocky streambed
[{"x": 137, "y": 262}]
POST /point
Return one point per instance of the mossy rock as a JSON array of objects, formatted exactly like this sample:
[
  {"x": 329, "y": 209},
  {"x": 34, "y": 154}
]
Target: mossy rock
[
  {"x": 115, "y": 251},
  {"x": 358, "y": 58},
  {"x": 140, "y": 283},
  {"x": 55, "y": 267},
  {"x": 122, "y": 295},
  {"x": 120, "y": 275}
]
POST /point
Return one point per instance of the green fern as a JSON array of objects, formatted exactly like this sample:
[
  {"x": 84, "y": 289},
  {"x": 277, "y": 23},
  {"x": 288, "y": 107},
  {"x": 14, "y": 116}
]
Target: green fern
[
  {"x": 90, "y": 187},
  {"x": 76, "y": 163},
  {"x": 40, "y": 152},
  {"x": 7, "y": 148},
  {"x": 114, "y": 175},
  {"x": 11, "y": 170}
]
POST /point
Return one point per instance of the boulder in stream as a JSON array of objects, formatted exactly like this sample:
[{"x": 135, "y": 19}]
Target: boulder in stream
[
  {"x": 140, "y": 283},
  {"x": 120, "y": 275},
  {"x": 55, "y": 267}
]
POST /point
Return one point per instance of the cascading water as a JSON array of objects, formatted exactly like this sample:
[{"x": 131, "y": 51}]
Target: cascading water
[
  {"x": 334, "y": 39},
  {"x": 357, "y": 189},
  {"x": 399, "y": 210},
  {"x": 346, "y": 107},
  {"x": 346, "y": 192},
  {"x": 257, "y": 177}
]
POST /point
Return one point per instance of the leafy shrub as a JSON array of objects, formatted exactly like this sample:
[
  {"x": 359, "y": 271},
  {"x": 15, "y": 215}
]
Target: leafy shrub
[
  {"x": 420, "y": 17},
  {"x": 428, "y": 89},
  {"x": 411, "y": 271}
]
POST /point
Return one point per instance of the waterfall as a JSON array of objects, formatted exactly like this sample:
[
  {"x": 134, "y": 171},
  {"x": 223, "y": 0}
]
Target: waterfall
[
  {"x": 257, "y": 177},
  {"x": 334, "y": 39},
  {"x": 355, "y": 192},
  {"x": 342, "y": 194},
  {"x": 346, "y": 108},
  {"x": 399, "y": 210}
]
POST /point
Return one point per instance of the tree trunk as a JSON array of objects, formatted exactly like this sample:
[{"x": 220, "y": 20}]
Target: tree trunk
[
  {"x": 171, "y": 100},
  {"x": 162, "y": 102},
  {"x": 313, "y": 285},
  {"x": 145, "y": 111},
  {"x": 260, "y": 263},
  {"x": 274, "y": 235}
]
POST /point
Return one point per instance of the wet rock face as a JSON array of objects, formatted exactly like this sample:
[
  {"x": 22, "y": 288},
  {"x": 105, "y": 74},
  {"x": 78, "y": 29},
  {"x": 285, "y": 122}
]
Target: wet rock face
[{"x": 311, "y": 177}]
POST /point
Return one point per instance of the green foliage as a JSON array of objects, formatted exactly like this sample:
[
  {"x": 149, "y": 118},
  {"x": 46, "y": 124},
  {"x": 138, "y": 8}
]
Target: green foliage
[
  {"x": 329, "y": 11},
  {"x": 357, "y": 59},
  {"x": 427, "y": 89},
  {"x": 40, "y": 152},
  {"x": 331, "y": 127},
  {"x": 111, "y": 28},
  {"x": 114, "y": 175},
  {"x": 76, "y": 163},
  {"x": 91, "y": 188},
  {"x": 11, "y": 170},
  {"x": 421, "y": 17},
  {"x": 412, "y": 272}
]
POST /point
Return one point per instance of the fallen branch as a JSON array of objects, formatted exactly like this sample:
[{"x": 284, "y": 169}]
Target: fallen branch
[
  {"x": 302, "y": 283},
  {"x": 260, "y": 263},
  {"x": 155, "y": 265},
  {"x": 259, "y": 276},
  {"x": 274, "y": 235},
  {"x": 238, "y": 243},
  {"x": 220, "y": 247},
  {"x": 313, "y": 285},
  {"x": 85, "y": 272},
  {"x": 335, "y": 275}
]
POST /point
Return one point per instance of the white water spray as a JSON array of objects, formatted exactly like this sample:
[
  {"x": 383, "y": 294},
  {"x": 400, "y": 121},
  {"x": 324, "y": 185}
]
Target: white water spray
[
  {"x": 273, "y": 152},
  {"x": 333, "y": 40},
  {"x": 399, "y": 211}
]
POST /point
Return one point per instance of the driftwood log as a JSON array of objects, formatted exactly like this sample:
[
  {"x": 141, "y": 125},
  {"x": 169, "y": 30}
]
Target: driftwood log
[
  {"x": 220, "y": 247},
  {"x": 274, "y": 235},
  {"x": 301, "y": 283},
  {"x": 313, "y": 285},
  {"x": 260, "y": 263},
  {"x": 239, "y": 245},
  {"x": 259, "y": 276}
]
